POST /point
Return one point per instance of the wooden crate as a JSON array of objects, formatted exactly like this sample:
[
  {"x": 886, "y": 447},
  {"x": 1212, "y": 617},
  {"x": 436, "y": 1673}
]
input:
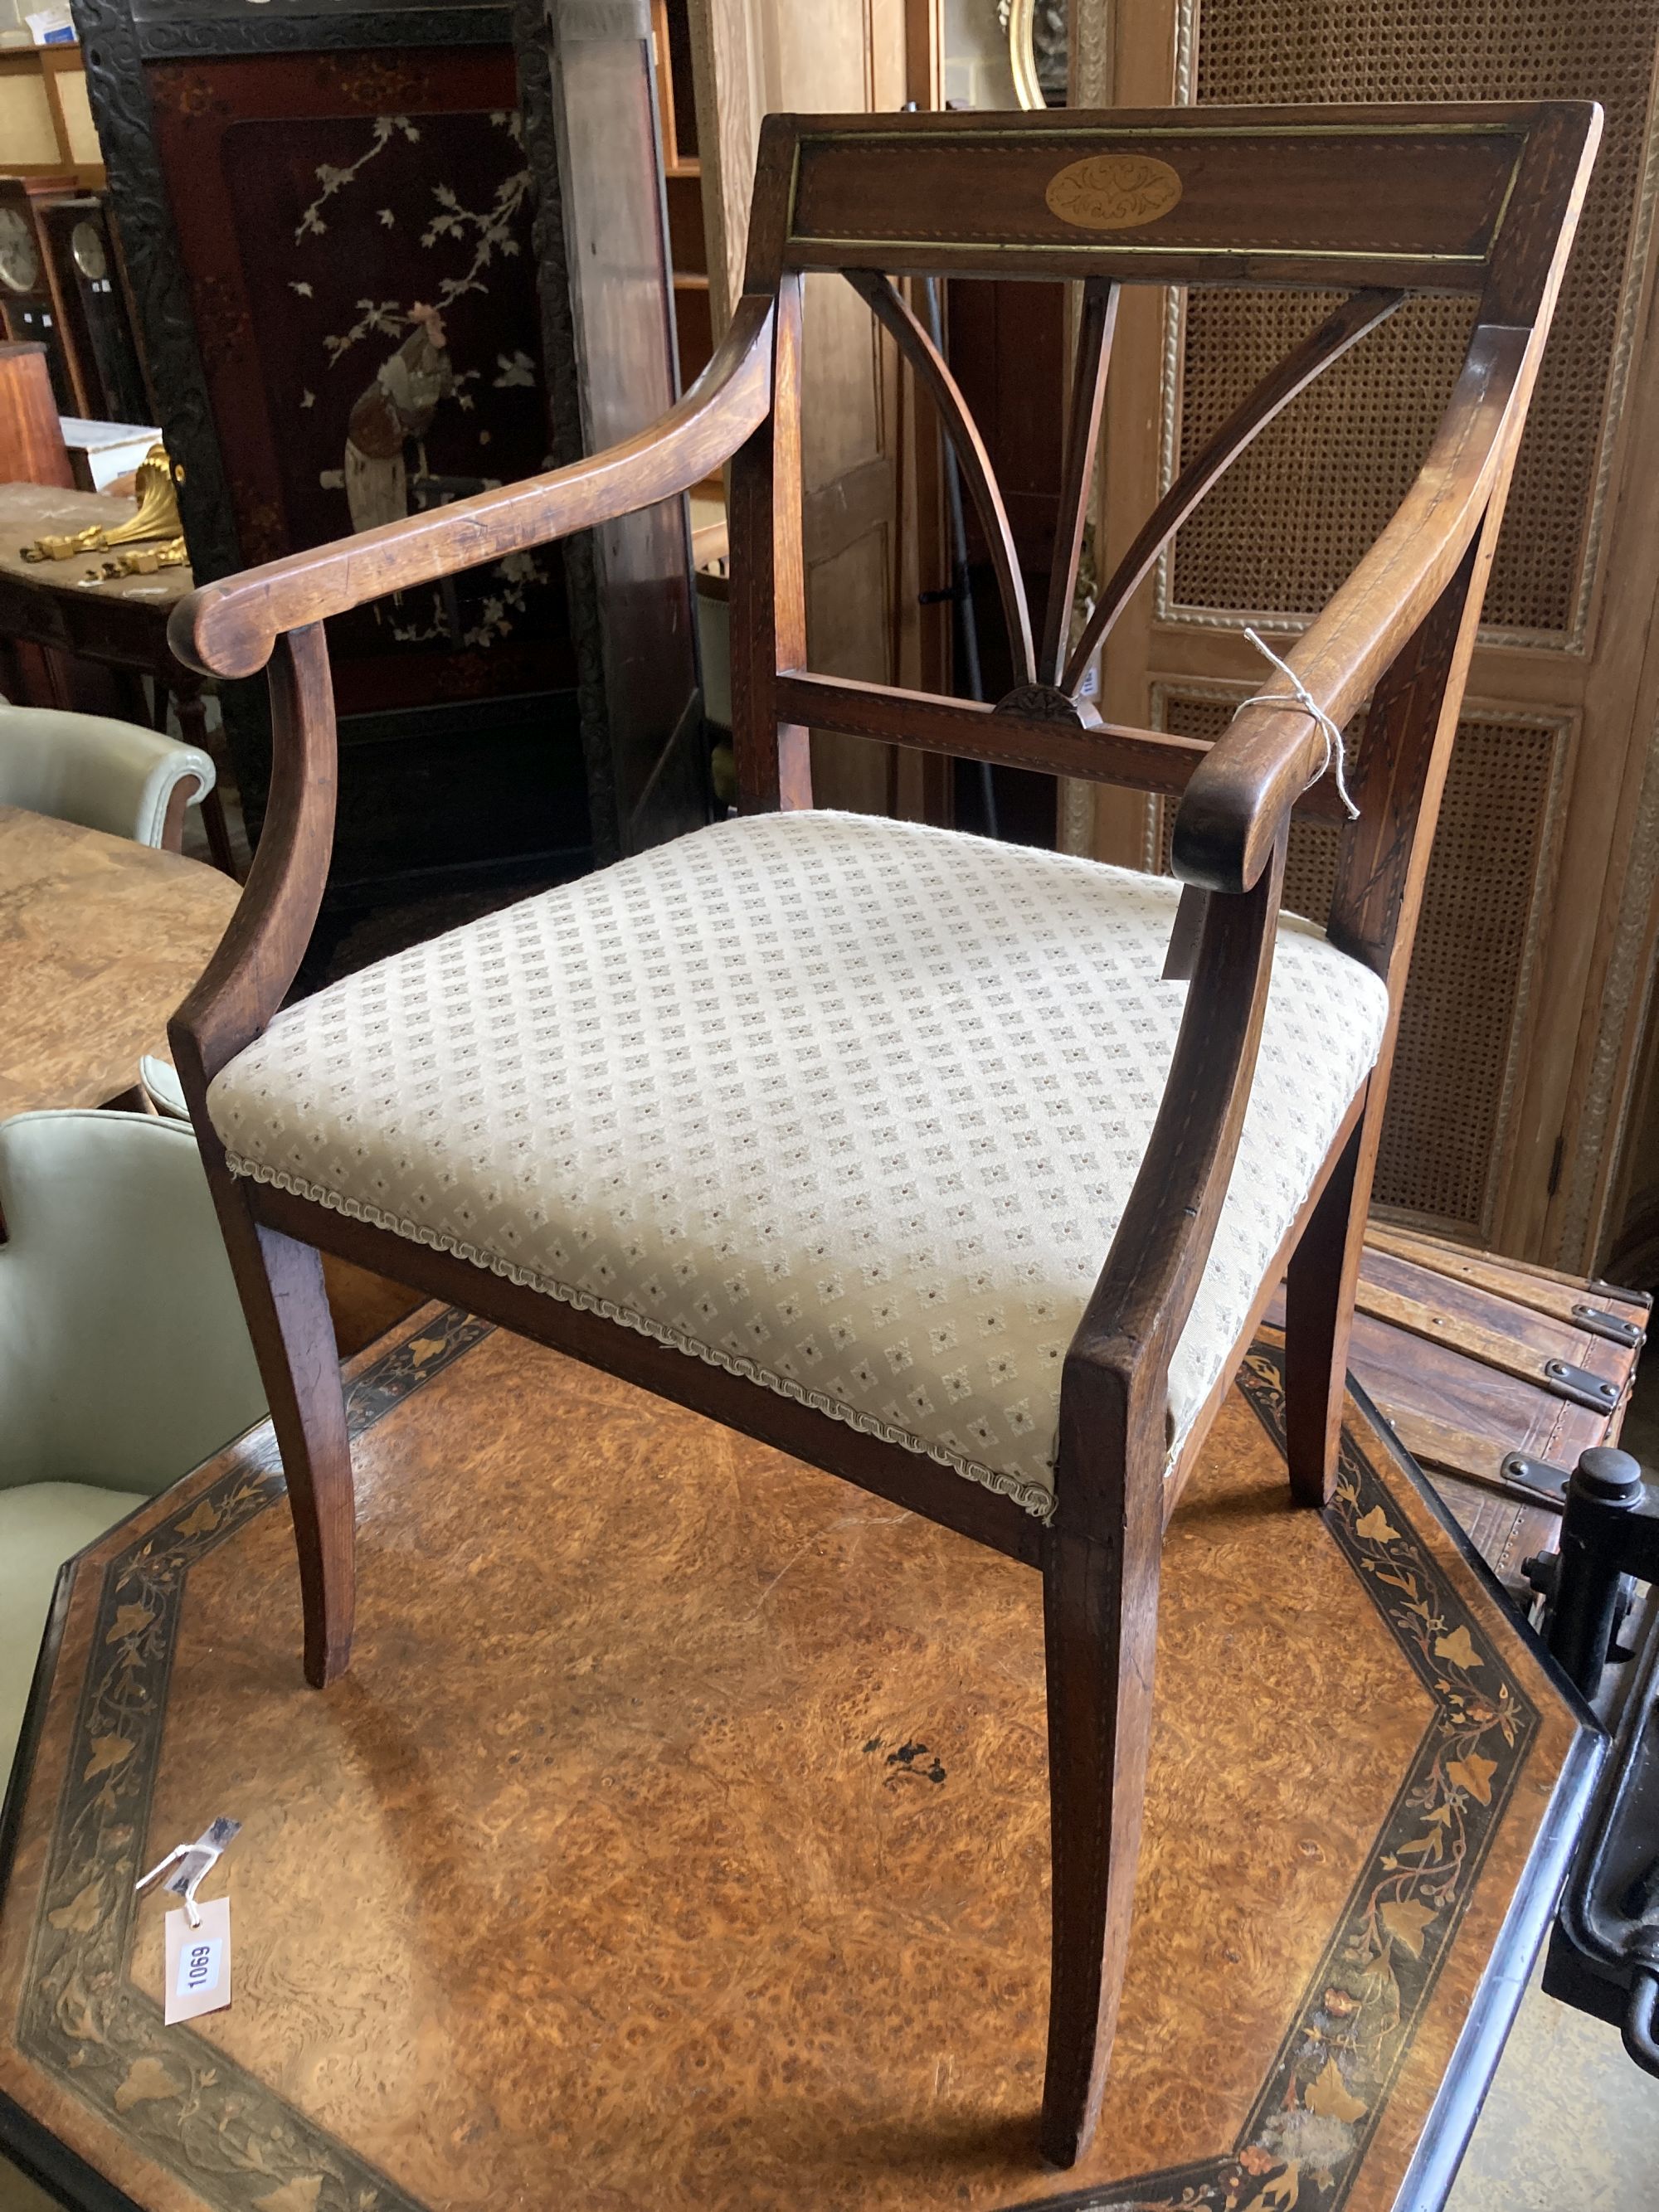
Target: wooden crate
[{"x": 1495, "y": 1375}]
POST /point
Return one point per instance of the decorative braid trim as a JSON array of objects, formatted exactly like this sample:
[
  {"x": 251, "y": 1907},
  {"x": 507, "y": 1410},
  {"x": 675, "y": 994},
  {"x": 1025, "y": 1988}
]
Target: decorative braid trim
[{"x": 1040, "y": 1503}]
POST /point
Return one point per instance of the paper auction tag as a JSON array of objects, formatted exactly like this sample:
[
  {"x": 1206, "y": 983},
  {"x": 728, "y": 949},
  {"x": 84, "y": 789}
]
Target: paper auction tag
[{"x": 197, "y": 1961}]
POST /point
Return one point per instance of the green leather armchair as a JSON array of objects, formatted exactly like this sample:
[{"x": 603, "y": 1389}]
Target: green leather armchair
[
  {"x": 102, "y": 774},
  {"x": 124, "y": 1360}
]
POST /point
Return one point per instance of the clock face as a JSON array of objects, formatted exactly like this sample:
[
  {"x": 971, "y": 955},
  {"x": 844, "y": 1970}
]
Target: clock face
[
  {"x": 87, "y": 248},
  {"x": 19, "y": 262}
]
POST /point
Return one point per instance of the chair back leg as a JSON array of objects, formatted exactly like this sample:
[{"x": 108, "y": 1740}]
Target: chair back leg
[
  {"x": 281, "y": 1284},
  {"x": 1319, "y": 1293},
  {"x": 1100, "y": 1625}
]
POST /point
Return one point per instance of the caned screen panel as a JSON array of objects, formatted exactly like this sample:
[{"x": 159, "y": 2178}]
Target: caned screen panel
[
  {"x": 1335, "y": 464},
  {"x": 1462, "y": 1021}
]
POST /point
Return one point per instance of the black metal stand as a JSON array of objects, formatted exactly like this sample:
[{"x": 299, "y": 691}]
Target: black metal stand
[{"x": 1604, "y": 1953}]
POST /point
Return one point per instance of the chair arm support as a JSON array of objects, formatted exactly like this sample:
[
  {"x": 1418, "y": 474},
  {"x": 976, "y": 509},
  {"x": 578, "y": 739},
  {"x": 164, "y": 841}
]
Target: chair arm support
[
  {"x": 1140, "y": 1305},
  {"x": 258, "y": 956},
  {"x": 1240, "y": 795},
  {"x": 229, "y": 629}
]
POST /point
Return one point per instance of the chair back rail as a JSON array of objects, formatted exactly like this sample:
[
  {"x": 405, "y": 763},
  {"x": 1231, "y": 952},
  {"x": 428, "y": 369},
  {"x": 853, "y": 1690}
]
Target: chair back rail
[
  {"x": 1345, "y": 197},
  {"x": 1057, "y": 744}
]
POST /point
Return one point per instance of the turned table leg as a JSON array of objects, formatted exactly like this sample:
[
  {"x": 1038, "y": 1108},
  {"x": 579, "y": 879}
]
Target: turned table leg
[{"x": 191, "y": 711}]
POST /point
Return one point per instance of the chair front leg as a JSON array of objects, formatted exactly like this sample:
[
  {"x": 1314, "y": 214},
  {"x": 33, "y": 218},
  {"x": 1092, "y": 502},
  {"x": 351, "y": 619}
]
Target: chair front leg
[
  {"x": 286, "y": 1306},
  {"x": 1100, "y": 1633},
  {"x": 281, "y": 1282},
  {"x": 1320, "y": 1284}
]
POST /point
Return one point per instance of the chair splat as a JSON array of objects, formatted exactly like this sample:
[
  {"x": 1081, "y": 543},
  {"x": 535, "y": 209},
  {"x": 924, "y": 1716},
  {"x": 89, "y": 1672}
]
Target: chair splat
[
  {"x": 1096, "y": 325},
  {"x": 882, "y": 297},
  {"x": 1361, "y": 313}
]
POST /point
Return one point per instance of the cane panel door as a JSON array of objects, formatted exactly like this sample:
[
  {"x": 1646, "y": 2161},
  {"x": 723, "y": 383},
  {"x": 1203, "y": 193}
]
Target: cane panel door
[{"x": 1520, "y": 1039}]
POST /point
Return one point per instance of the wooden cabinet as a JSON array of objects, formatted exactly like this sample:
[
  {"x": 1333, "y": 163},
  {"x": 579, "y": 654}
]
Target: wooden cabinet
[
  {"x": 871, "y": 511},
  {"x": 1515, "y": 1096},
  {"x": 609, "y": 341}
]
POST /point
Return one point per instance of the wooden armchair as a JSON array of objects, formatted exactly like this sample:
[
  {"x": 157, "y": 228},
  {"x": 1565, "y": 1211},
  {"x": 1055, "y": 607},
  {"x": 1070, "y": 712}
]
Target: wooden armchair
[{"x": 823, "y": 1124}]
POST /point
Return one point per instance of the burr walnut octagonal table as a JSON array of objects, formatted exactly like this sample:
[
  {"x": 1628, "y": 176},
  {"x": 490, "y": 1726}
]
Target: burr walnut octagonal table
[
  {"x": 679, "y": 1837},
  {"x": 99, "y": 940}
]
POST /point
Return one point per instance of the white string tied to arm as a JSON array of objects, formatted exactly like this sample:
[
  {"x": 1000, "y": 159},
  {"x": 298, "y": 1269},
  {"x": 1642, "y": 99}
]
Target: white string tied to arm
[{"x": 1335, "y": 759}]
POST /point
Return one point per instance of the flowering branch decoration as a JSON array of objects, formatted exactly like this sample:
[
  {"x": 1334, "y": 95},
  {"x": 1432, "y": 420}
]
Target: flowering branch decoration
[
  {"x": 334, "y": 179},
  {"x": 385, "y": 459}
]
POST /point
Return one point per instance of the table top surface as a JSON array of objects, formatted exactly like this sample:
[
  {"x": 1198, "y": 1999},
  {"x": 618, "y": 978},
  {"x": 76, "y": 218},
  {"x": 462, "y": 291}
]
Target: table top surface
[
  {"x": 100, "y": 939},
  {"x": 29, "y": 511},
  {"x": 679, "y": 1835}
]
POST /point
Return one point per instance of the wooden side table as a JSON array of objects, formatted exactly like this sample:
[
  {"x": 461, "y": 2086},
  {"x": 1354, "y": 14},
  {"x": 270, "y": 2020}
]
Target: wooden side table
[{"x": 121, "y": 622}]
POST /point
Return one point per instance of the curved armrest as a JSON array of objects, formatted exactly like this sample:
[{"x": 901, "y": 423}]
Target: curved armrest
[
  {"x": 1240, "y": 793},
  {"x": 229, "y": 629},
  {"x": 104, "y": 775}
]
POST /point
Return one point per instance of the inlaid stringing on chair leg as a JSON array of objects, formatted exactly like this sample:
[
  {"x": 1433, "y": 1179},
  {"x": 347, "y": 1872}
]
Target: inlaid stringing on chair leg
[
  {"x": 1319, "y": 1294},
  {"x": 1100, "y": 1632},
  {"x": 283, "y": 1296}
]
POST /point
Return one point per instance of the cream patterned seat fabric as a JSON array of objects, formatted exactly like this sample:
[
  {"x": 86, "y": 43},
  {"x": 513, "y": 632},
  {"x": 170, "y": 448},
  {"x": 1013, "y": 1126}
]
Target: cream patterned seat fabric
[{"x": 847, "y": 1106}]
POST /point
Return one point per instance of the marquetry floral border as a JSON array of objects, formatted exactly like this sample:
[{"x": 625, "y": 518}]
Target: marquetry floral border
[
  {"x": 176, "y": 2098},
  {"x": 179, "y": 2100}
]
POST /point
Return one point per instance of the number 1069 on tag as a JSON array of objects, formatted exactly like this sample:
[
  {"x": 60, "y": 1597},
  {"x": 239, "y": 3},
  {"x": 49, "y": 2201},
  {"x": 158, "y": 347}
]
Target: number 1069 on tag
[{"x": 198, "y": 1966}]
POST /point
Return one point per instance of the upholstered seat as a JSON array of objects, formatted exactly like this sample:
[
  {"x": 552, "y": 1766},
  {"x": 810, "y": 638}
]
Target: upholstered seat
[{"x": 847, "y": 1106}]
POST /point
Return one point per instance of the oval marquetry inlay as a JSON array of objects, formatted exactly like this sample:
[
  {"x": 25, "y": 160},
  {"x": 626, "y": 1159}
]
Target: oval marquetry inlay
[{"x": 1113, "y": 191}]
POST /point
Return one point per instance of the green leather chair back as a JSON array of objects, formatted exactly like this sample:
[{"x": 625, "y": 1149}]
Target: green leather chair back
[{"x": 124, "y": 1360}]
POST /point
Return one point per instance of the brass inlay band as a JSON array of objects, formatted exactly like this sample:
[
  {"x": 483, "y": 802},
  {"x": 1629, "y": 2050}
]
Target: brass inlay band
[{"x": 1402, "y": 258}]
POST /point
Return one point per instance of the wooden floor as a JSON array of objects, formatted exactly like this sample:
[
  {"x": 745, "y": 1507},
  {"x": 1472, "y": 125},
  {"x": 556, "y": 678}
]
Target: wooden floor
[{"x": 678, "y": 1839}]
